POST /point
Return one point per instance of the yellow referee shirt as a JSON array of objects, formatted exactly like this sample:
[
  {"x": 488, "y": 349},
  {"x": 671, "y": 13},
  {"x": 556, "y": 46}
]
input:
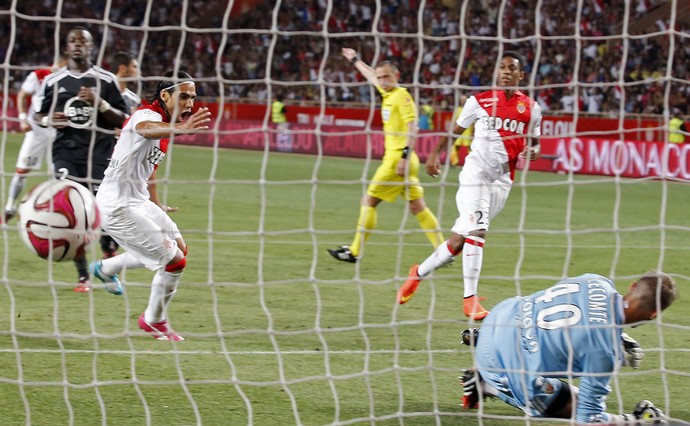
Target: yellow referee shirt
[{"x": 397, "y": 110}]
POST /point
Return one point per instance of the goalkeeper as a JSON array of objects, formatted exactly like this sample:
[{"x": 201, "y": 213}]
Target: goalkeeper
[
  {"x": 397, "y": 174},
  {"x": 572, "y": 329}
]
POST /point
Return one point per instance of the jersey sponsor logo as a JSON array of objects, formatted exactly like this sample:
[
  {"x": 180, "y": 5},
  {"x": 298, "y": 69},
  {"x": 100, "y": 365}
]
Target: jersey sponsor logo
[
  {"x": 155, "y": 156},
  {"x": 505, "y": 124},
  {"x": 385, "y": 114},
  {"x": 78, "y": 112}
]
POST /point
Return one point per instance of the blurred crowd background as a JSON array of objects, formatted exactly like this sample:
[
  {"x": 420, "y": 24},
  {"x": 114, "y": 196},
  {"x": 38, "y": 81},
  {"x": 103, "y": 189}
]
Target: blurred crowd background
[{"x": 599, "y": 56}]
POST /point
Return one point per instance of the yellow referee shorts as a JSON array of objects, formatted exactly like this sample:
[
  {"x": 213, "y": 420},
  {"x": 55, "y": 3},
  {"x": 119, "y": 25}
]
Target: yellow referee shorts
[{"x": 387, "y": 185}]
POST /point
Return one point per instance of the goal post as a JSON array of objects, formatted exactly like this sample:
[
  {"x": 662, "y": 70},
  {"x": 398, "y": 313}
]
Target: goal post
[{"x": 279, "y": 332}]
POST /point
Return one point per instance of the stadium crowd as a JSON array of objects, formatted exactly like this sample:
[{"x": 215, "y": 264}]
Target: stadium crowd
[{"x": 577, "y": 54}]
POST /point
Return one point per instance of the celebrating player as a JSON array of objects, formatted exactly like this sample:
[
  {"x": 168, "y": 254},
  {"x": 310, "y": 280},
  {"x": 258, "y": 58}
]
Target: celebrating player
[
  {"x": 36, "y": 138},
  {"x": 397, "y": 175},
  {"x": 572, "y": 329},
  {"x": 503, "y": 121},
  {"x": 147, "y": 234},
  {"x": 126, "y": 69},
  {"x": 83, "y": 102}
]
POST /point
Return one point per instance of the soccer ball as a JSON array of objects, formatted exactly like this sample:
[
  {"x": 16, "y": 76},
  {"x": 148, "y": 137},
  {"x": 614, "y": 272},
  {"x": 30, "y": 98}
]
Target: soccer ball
[{"x": 58, "y": 220}]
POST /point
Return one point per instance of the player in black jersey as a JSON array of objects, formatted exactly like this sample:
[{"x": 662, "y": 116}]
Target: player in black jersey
[{"x": 83, "y": 102}]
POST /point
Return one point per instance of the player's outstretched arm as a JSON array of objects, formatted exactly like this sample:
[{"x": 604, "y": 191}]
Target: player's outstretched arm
[
  {"x": 367, "y": 71},
  {"x": 196, "y": 122}
]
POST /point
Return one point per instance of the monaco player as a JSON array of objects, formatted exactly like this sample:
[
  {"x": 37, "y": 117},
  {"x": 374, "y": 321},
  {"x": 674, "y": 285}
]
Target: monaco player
[
  {"x": 504, "y": 120},
  {"x": 146, "y": 233},
  {"x": 36, "y": 138}
]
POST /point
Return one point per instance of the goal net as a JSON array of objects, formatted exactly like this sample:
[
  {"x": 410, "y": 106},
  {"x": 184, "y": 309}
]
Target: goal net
[{"x": 277, "y": 330}]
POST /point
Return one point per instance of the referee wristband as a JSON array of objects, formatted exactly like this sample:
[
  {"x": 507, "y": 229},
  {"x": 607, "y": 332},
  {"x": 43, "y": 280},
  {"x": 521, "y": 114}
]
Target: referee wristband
[
  {"x": 405, "y": 151},
  {"x": 355, "y": 59},
  {"x": 103, "y": 106},
  {"x": 22, "y": 116}
]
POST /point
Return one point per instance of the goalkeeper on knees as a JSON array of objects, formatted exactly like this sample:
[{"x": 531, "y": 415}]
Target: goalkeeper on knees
[{"x": 523, "y": 365}]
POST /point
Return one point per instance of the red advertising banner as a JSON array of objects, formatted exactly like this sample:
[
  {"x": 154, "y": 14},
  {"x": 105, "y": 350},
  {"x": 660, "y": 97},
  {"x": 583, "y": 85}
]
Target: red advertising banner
[
  {"x": 614, "y": 157},
  {"x": 611, "y": 147},
  {"x": 644, "y": 129},
  {"x": 595, "y": 156}
]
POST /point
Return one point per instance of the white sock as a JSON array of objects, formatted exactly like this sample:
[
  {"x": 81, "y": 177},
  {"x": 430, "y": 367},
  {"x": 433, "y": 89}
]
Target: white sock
[
  {"x": 163, "y": 289},
  {"x": 472, "y": 257},
  {"x": 440, "y": 257},
  {"x": 16, "y": 187},
  {"x": 117, "y": 263}
]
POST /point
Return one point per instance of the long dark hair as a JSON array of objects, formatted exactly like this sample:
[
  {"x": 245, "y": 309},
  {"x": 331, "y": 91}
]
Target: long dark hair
[{"x": 169, "y": 83}]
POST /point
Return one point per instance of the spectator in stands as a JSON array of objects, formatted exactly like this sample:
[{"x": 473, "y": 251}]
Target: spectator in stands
[
  {"x": 426, "y": 116},
  {"x": 568, "y": 101},
  {"x": 247, "y": 52}
]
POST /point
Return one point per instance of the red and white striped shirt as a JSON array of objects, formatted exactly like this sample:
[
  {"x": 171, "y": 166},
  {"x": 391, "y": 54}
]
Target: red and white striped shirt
[{"x": 501, "y": 128}]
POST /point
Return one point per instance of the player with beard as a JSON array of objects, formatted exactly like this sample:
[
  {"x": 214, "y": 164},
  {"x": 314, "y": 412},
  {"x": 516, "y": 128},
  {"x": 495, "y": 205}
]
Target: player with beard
[
  {"x": 83, "y": 102},
  {"x": 146, "y": 233}
]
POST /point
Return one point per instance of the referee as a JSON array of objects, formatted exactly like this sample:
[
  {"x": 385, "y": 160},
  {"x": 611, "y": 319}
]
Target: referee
[{"x": 397, "y": 174}]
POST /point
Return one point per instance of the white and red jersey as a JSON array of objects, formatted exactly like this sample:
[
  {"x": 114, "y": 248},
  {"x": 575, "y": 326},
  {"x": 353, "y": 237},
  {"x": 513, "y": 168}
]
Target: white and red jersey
[
  {"x": 134, "y": 159},
  {"x": 501, "y": 127},
  {"x": 32, "y": 86}
]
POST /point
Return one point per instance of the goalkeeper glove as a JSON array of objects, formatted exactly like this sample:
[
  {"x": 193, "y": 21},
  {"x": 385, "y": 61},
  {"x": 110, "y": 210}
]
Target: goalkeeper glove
[
  {"x": 469, "y": 337},
  {"x": 633, "y": 351},
  {"x": 646, "y": 413}
]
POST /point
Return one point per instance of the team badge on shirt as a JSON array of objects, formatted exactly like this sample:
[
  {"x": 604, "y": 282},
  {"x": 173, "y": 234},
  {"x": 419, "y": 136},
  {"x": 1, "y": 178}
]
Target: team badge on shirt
[
  {"x": 78, "y": 112},
  {"x": 521, "y": 107}
]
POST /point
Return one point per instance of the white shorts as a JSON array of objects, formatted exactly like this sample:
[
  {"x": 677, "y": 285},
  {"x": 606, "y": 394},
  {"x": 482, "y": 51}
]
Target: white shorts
[
  {"x": 479, "y": 200},
  {"x": 34, "y": 147},
  {"x": 144, "y": 231}
]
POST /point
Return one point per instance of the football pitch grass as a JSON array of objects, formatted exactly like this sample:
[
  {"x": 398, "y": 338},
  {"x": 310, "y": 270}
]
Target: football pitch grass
[{"x": 280, "y": 333}]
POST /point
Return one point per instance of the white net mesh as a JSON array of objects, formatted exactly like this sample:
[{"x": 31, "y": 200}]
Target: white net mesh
[{"x": 277, "y": 331}]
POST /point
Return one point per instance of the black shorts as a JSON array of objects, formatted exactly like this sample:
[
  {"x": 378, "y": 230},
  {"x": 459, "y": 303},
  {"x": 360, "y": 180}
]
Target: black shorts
[{"x": 80, "y": 172}]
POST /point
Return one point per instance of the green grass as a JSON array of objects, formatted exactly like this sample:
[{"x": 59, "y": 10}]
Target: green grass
[{"x": 279, "y": 333}]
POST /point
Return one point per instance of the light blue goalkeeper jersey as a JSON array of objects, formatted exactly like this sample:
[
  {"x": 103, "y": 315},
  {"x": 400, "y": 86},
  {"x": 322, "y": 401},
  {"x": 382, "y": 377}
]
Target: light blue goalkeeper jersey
[{"x": 572, "y": 329}]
